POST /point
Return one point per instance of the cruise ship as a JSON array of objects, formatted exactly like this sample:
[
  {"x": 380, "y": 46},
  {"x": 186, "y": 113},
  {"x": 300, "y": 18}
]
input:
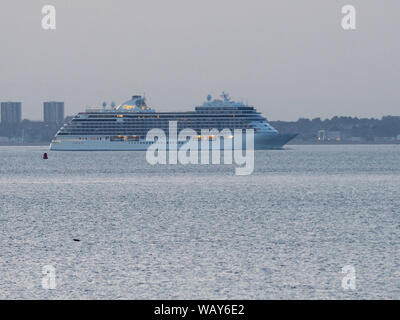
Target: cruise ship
[{"x": 125, "y": 127}]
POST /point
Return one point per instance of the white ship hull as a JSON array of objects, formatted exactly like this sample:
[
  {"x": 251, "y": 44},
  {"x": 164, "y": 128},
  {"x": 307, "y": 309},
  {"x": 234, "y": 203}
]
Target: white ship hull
[{"x": 261, "y": 142}]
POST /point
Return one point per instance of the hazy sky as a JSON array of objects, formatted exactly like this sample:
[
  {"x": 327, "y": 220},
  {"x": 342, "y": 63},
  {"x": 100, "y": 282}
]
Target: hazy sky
[{"x": 290, "y": 59}]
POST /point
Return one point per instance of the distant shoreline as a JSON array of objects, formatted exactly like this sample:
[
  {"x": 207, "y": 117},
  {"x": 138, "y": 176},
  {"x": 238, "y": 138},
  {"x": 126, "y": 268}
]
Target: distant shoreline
[
  {"x": 294, "y": 143},
  {"x": 325, "y": 143},
  {"x": 24, "y": 144}
]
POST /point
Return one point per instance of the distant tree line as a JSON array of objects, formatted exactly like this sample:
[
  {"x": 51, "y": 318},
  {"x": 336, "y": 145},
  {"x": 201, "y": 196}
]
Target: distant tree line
[
  {"x": 366, "y": 129},
  {"x": 29, "y": 131}
]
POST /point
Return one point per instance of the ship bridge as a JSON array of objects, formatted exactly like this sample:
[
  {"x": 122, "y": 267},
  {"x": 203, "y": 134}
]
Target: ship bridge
[{"x": 223, "y": 104}]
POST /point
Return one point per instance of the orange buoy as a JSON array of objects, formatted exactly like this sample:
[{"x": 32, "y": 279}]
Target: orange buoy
[{"x": 45, "y": 156}]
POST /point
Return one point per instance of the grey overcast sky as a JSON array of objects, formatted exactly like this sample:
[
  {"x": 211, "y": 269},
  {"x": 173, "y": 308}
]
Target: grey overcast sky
[{"x": 290, "y": 59}]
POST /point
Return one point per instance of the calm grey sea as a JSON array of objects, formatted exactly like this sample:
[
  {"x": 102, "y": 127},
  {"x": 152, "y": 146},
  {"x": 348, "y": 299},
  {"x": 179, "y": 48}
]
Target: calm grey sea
[{"x": 197, "y": 232}]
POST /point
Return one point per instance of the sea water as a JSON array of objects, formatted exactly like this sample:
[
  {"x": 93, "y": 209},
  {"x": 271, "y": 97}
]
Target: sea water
[{"x": 200, "y": 231}]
